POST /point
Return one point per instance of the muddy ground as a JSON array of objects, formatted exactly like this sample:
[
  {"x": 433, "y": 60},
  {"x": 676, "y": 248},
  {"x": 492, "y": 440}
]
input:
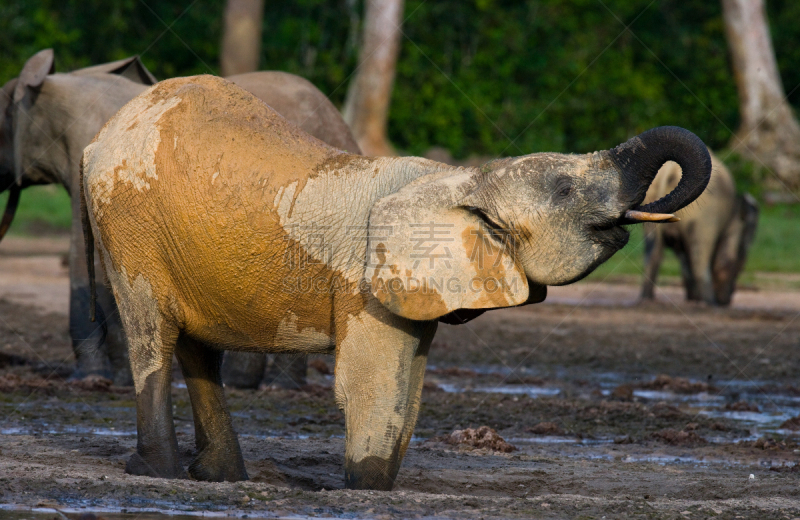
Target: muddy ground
[{"x": 612, "y": 409}]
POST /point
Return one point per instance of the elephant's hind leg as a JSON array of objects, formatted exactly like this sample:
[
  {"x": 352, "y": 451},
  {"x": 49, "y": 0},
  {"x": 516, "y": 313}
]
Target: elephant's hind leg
[
  {"x": 151, "y": 362},
  {"x": 653, "y": 254},
  {"x": 151, "y": 342},
  {"x": 218, "y": 457},
  {"x": 380, "y": 364}
]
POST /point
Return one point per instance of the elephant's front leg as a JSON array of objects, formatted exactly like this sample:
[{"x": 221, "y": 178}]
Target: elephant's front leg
[{"x": 380, "y": 366}]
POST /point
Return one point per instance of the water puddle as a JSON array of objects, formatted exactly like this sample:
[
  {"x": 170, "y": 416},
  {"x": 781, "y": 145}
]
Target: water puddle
[
  {"x": 768, "y": 410},
  {"x": 529, "y": 390},
  {"x": 79, "y": 430},
  {"x": 552, "y": 439},
  {"x": 19, "y": 512}
]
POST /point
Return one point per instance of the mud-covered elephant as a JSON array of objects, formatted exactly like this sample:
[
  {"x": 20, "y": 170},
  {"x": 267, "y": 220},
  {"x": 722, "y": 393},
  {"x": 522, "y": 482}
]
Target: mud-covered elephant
[
  {"x": 711, "y": 240},
  {"x": 48, "y": 119},
  {"x": 221, "y": 226}
]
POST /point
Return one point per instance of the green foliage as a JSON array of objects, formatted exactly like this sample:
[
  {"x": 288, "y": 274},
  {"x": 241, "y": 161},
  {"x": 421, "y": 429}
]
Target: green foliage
[
  {"x": 776, "y": 248},
  {"x": 42, "y": 209},
  {"x": 489, "y": 77},
  {"x": 748, "y": 175}
]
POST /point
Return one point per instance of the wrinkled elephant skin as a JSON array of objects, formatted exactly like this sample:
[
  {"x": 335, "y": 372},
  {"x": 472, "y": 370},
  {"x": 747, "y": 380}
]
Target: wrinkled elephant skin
[{"x": 224, "y": 227}]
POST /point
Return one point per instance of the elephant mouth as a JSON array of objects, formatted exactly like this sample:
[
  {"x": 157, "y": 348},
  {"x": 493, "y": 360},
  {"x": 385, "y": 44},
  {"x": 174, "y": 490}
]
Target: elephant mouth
[{"x": 609, "y": 233}]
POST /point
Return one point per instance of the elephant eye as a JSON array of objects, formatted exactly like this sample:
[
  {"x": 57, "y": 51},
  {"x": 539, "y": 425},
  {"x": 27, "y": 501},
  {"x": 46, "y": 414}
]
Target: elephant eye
[{"x": 563, "y": 187}]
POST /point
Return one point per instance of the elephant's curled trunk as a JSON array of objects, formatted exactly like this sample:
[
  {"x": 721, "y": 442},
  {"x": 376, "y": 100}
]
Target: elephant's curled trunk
[{"x": 640, "y": 158}]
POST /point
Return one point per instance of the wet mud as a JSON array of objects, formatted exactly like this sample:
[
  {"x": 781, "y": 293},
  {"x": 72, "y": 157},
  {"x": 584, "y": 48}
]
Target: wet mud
[{"x": 587, "y": 407}]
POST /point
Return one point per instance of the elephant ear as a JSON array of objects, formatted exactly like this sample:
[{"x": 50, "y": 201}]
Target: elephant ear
[
  {"x": 429, "y": 253},
  {"x": 6, "y": 95},
  {"x": 33, "y": 73},
  {"x": 131, "y": 68}
]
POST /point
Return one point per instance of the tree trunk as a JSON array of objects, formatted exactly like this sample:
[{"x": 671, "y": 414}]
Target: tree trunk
[
  {"x": 367, "y": 106},
  {"x": 241, "y": 36},
  {"x": 769, "y": 132}
]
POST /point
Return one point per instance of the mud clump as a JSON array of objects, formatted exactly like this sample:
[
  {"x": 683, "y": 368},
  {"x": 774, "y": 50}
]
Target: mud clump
[
  {"x": 480, "y": 438},
  {"x": 664, "y": 410},
  {"x": 679, "y": 438},
  {"x": 429, "y": 386},
  {"x": 314, "y": 390},
  {"x": 742, "y": 406},
  {"x": 320, "y": 366},
  {"x": 93, "y": 383},
  {"x": 769, "y": 444},
  {"x": 623, "y": 393},
  {"x": 678, "y": 385},
  {"x": 785, "y": 468},
  {"x": 12, "y": 382},
  {"x": 791, "y": 424},
  {"x": 546, "y": 428},
  {"x": 454, "y": 372}
]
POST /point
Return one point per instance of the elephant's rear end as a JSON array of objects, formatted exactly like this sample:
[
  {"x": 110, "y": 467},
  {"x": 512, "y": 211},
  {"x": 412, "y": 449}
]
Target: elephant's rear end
[{"x": 178, "y": 188}]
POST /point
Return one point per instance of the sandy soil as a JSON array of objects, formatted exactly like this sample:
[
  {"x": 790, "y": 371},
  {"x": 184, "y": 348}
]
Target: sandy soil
[{"x": 573, "y": 384}]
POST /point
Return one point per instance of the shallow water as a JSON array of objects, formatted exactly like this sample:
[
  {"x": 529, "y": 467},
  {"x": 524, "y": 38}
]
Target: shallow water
[
  {"x": 67, "y": 429},
  {"x": 529, "y": 390},
  {"x": 18, "y": 512},
  {"x": 775, "y": 408}
]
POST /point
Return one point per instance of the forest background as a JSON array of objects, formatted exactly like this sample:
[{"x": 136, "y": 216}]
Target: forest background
[{"x": 482, "y": 78}]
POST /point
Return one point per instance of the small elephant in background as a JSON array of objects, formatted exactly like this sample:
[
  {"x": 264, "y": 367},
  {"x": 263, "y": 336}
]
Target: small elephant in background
[
  {"x": 711, "y": 240},
  {"x": 48, "y": 118},
  {"x": 223, "y": 227}
]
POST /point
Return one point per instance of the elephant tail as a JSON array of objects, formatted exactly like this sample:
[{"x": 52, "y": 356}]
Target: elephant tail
[{"x": 88, "y": 239}]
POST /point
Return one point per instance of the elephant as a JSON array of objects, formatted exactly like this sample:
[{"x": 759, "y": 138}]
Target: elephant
[
  {"x": 223, "y": 227},
  {"x": 711, "y": 240},
  {"x": 48, "y": 119}
]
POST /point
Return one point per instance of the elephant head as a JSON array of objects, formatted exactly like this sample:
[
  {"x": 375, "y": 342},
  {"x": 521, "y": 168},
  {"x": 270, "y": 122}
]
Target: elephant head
[
  {"x": 25, "y": 143},
  {"x": 731, "y": 252},
  {"x": 467, "y": 240}
]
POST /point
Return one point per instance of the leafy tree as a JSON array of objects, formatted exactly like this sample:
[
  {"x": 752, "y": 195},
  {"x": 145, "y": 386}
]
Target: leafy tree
[{"x": 486, "y": 77}]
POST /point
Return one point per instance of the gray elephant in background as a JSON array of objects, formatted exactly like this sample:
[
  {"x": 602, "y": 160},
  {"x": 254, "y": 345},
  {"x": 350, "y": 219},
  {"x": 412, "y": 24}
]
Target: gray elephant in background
[
  {"x": 711, "y": 240},
  {"x": 48, "y": 119}
]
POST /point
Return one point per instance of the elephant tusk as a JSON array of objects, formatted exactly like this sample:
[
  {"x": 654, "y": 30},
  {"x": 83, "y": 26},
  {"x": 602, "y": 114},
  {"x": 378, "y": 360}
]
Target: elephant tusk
[{"x": 643, "y": 216}]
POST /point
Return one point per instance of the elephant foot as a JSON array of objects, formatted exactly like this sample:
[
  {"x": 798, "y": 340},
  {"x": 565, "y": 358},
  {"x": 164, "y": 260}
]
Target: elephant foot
[
  {"x": 218, "y": 466},
  {"x": 370, "y": 473},
  {"x": 156, "y": 466}
]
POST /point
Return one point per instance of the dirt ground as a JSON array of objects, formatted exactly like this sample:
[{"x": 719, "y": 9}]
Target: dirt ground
[{"x": 611, "y": 408}]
